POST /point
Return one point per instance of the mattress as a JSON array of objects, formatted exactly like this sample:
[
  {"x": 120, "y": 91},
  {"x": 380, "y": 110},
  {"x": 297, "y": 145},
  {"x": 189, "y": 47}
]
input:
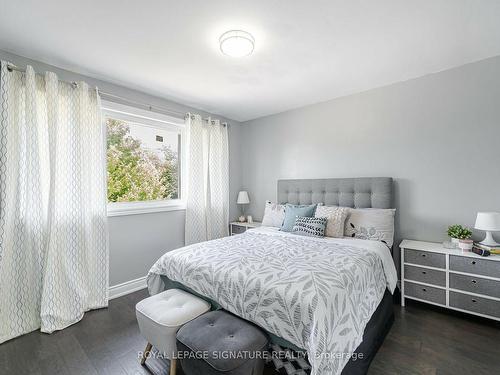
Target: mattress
[{"x": 318, "y": 294}]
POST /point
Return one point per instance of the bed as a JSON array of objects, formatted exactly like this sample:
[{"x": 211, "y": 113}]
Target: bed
[{"x": 328, "y": 296}]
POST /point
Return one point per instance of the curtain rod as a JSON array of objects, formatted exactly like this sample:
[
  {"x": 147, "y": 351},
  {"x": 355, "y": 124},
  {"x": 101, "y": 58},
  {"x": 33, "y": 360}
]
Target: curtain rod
[
  {"x": 149, "y": 107},
  {"x": 152, "y": 108}
]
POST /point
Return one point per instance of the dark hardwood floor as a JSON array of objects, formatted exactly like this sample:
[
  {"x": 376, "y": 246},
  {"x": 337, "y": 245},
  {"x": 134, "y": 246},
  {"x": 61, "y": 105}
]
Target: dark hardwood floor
[{"x": 423, "y": 340}]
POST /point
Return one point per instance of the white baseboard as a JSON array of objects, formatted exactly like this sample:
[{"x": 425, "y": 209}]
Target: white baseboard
[{"x": 127, "y": 287}]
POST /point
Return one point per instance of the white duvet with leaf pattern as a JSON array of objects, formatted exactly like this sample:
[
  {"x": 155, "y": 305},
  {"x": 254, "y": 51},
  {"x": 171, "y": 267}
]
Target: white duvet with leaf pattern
[{"x": 317, "y": 293}]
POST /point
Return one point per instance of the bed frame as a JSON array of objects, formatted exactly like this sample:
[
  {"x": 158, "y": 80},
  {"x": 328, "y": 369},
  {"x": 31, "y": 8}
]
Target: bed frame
[
  {"x": 362, "y": 192},
  {"x": 367, "y": 192}
]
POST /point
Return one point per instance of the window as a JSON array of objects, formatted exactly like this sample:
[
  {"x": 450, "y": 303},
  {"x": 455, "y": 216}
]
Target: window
[{"x": 144, "y": 160}]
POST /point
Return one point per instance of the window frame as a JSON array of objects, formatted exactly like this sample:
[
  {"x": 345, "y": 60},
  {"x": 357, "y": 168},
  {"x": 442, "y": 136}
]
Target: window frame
[{"x": 155, "y": 120}]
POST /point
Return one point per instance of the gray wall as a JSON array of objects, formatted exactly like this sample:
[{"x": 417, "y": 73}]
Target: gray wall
[
  {"x": 137, "y": 241},
  {"x": 437, "y": 135}
]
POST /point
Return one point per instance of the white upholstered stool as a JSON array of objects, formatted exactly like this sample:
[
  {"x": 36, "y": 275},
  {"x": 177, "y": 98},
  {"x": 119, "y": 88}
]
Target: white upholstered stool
[{"x": 160, "y": 317}]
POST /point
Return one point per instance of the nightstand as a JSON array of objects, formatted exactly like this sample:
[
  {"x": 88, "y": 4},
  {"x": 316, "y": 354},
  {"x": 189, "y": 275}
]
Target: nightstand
[
  {"x": 237, "y": 228},
  {"x": 450, "y": 278}
]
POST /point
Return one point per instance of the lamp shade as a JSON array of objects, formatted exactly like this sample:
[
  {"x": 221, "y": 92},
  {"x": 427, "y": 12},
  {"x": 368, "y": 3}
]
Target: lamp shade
[
  {"x": 489, "y": 221},
  {"x": 243, "y": 198}
]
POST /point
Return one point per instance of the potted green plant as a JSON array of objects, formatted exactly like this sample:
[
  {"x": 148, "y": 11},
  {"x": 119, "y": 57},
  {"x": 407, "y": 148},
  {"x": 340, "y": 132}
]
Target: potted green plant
[{"x": 461, "y": 236}]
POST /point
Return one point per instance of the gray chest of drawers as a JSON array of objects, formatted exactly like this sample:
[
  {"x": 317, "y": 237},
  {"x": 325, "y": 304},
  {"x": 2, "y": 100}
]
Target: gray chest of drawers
[{"x": 450, "y": 278}]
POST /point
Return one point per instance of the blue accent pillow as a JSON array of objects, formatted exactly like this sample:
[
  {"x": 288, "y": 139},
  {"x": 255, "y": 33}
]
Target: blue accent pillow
[{"x": 291, "y": 213}]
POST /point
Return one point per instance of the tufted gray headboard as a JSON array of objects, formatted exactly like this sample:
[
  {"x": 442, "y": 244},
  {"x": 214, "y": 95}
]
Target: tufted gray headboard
[{"x": 361, "y": 192}]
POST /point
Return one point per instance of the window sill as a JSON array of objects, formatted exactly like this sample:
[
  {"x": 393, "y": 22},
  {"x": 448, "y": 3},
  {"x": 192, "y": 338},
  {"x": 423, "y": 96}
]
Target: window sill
[{"x": 138, "y": 208}]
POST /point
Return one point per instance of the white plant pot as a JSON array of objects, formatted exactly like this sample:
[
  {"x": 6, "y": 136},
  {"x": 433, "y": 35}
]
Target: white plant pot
[
  {"x": 465, "y": 245},
  {"x": 455, "y": 240}
]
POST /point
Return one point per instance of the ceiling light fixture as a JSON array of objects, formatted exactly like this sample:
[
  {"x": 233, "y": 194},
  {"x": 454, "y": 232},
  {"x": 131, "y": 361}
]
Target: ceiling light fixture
[{"x": 236, "y": 43}]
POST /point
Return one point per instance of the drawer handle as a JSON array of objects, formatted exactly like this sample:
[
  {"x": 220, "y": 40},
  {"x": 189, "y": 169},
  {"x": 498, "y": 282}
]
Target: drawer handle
[
  {"x": 474, "y": 281},
  {"x": 424, "y": 273},
  {"x": 473, "y": 300},
  {"x": 473, "y": 262},
  {"x": 424, "y": 290},
  {"x": 424, "y": 255}
]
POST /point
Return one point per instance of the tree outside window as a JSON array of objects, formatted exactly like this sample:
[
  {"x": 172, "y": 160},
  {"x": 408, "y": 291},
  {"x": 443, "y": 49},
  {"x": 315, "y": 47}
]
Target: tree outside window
[{"x": 142, "y": 162}]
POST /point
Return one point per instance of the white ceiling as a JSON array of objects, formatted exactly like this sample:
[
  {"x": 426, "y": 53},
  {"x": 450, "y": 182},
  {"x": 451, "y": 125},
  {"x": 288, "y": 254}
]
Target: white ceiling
[{"x": 306, "y": 51}]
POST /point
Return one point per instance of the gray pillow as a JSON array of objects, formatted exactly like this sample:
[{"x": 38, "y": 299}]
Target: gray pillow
[{"x": 310, "y": 226}]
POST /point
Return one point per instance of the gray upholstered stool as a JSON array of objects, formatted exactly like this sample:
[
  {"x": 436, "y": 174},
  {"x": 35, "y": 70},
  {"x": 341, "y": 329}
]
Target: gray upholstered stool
[
  {"x": 161, "y": 315},
  {"x": 224, "y": 343}
]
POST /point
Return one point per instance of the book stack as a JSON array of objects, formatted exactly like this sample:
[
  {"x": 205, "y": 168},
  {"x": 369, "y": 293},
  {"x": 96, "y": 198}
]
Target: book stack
[{"x": 485, "y": 250}]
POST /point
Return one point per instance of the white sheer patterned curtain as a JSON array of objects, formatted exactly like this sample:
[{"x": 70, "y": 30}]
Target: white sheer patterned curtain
[
  {"x": 207, "y": 209},
  {"x": 53, "y": 225}
]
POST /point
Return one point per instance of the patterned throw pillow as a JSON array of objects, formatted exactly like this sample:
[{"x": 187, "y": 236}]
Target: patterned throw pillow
[
  {"x": 310, "y": 226},
  {"x": 294, "y": 210},
  {"x": 274, "y": 214},
  {"x": 336, "y": 218},
  {"x": 371, "y": 224}
]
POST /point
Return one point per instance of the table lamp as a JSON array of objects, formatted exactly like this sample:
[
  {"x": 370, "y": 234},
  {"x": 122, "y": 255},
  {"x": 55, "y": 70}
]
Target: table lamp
[
  {"x": 243, "y": 199},
  {"x": 489, "y": 222}
]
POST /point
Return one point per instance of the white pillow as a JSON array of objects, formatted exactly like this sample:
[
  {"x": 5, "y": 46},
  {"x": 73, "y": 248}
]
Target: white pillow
[
  {"x": 274, "y": 214},
  {"x": 371, "y": 224},
  {"x": 336, "y": 218}
]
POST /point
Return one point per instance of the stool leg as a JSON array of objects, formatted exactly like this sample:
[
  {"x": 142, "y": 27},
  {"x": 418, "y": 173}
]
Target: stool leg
[
  {"x": 173, "y": 366},
  {"x": 146, "y": 353}
]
